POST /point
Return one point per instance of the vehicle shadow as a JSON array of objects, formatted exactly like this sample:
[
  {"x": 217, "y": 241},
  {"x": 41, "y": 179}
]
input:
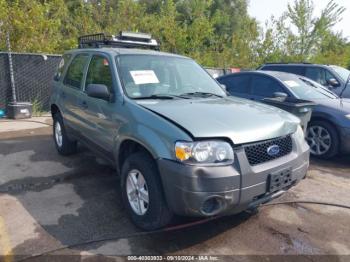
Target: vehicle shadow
[
  {"x": 84, "y": 203},
  {"x": 339, "y": 165}
]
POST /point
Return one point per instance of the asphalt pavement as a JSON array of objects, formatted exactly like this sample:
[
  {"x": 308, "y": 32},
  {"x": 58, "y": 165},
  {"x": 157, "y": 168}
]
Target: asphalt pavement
[{"x": 48, "y": 202}]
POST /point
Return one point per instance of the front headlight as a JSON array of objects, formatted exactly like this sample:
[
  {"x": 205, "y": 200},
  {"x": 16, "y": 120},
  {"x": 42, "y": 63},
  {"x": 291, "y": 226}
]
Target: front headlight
[
  {"x": 204, "y": 152},
  {"x": 347, "y": 116}
]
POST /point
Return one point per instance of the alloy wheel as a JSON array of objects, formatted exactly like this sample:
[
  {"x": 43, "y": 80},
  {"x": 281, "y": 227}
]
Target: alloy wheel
[
  {"x": 319, "y": 140},
  {"x": 58, "y": 134},
  {"x": 137, "y": 192}
]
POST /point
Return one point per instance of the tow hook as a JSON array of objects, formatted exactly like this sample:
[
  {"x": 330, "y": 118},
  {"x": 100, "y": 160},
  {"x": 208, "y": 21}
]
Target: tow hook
[{"x": 265, "y": 199}]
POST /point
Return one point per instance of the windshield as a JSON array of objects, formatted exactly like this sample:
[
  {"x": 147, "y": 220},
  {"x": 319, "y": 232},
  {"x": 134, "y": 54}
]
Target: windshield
[
  {"x": 306, "y": 89},
  {"x": 342, "y": 72},
  {"x": 154, "y": 76}
]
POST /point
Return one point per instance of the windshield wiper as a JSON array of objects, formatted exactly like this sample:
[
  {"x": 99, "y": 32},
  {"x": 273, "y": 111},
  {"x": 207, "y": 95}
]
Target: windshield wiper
[
  {"x": 322, "y": 88},
  {"x": 160, "y": 96},
  {"x": 202, "y": 94}
]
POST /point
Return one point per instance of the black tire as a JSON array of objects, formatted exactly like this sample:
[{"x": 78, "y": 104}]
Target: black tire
[
  {"x": 67, "y": 146},
  {"x": 334, "y": 145},
  {"x": 158, "y": 214}
]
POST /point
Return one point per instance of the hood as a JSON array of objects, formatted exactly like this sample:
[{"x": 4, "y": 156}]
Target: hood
[
  {"x": 240, "y": 120},
  {"x": 342, "y": 105}
]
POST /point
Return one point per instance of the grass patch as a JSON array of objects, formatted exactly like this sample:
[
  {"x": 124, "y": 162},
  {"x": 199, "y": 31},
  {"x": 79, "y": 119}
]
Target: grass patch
[{"x": 38, "y": 109}]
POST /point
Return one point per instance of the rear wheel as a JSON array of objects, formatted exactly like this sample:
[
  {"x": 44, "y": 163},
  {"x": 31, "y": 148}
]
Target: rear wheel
[
  {"x": 323, "y": 139},
  {"x": 143, "y": 193},
  {"x": 64, "y": 145}
]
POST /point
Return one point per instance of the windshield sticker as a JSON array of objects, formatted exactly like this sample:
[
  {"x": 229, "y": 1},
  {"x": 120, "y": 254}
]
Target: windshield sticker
[
  {"x": 291, "y": 83},
  {"x": 144, "y": 77}
]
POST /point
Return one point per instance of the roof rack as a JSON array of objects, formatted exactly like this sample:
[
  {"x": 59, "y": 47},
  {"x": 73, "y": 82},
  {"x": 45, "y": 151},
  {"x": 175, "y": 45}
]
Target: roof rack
[{"x": 124, "y": 40}]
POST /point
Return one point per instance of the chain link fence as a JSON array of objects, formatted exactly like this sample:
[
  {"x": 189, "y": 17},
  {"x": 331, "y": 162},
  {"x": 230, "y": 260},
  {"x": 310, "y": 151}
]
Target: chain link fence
[{"x": 33, "y": 75}]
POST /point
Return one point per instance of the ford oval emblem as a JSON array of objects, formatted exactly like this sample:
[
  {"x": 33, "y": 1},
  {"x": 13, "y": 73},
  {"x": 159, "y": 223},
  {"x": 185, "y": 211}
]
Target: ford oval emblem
[{"x": 273, "y": 150}]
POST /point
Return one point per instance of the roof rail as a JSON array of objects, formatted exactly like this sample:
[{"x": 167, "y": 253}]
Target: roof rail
[{"x": 124, "y": 40}]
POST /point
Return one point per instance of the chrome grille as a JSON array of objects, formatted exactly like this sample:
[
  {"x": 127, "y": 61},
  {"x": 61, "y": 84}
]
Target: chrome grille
[{"x": 257, "y": 153}]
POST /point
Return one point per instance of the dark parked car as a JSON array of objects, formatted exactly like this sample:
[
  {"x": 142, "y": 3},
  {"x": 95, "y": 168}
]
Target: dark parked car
[
  {"x": 335, "y": 78},
  {"x": 328, "y": 132}
]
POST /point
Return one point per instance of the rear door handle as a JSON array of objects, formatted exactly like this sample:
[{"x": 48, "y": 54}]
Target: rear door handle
[{"x": 63, "y": 95}]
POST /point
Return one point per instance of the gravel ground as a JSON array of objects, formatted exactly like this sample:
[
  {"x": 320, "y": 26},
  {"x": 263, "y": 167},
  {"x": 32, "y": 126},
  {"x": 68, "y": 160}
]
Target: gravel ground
[{"x": 48, "y": 201}]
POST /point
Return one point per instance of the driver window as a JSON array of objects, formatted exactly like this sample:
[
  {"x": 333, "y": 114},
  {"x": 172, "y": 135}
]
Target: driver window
[
  {"x": 329, "y": 76},
  {"x": 316, "y": 74},
  {"x": 99, "y": 72},
  {"x": 264, "y": 86}
]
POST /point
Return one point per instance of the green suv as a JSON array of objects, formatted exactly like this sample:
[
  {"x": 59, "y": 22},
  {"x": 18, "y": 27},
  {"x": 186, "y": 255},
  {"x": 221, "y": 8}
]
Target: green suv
[{"x": 179, "y": 143}]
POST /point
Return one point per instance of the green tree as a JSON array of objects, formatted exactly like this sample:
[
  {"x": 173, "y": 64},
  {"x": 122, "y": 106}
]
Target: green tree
[
  {"x": 299, "y": 36},
  {"x": 333, "y": 49},
  {"x": 31, "y": 26},
  {"x": 312, "y": 30}
]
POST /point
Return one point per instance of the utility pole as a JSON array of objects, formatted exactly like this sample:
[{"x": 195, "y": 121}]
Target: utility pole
[
  {"x": 15, "y": 110},
  {"x": 12, "y": 78}
]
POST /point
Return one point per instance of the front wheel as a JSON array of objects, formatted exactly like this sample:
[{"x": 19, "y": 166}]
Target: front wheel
[
  {"x": 143, "y": 193},
  {"x": 64, "y": 145},
  {"x": 323, "y": 139}
]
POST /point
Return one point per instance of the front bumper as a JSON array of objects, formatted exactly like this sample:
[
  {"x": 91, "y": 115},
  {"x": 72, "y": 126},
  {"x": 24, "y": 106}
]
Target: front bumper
[{"x": 235, "y": 188}]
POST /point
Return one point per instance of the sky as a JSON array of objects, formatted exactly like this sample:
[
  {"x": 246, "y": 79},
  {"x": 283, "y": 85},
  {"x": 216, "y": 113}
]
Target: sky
[{"x": 263, "y": 9}]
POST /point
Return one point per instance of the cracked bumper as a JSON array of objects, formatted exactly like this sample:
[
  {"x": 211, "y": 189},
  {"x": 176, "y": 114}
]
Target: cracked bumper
[{"x": 236, "y": 187}]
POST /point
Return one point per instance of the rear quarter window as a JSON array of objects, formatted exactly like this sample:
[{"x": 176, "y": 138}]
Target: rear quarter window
[{"x": 62, "y": 66}]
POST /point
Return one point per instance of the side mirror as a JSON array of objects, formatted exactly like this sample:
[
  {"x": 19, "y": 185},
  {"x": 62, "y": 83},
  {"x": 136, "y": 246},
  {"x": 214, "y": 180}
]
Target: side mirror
[
  {"x": 280, "y": 95},
  {"x": 333, "y": 82},
  {"x": 56, "y": 77},
  {"x": 98, "y": 91}
]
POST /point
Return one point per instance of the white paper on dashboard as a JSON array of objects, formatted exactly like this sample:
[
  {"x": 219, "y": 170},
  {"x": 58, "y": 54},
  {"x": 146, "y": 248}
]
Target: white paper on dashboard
[
  {"x": 142, "y": 77},
  {"x": 291, "y": 83}
]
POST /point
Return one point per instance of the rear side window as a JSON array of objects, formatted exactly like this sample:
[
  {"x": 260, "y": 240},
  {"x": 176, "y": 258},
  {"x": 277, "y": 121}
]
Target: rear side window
[
  {"x": 236, "y": 84},
  {"x": 61, "y": 66},
  {"x": 99, "y": 72},
  {"x": 264, "y": 86},
  {"x": 75, "y": 71}
]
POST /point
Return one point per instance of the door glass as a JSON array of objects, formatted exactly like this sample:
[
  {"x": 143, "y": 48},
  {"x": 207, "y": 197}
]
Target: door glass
[
  {"x": 316, "y": 74},
  {"x": 75, "y": 71},
  {"x": 99, "y": 72},
  {"x": 61, "y": 66},
  {"x": 265, "y": 87},
  {"x": 329, "y": 76},
  {"x": 236, "y": 84}
]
